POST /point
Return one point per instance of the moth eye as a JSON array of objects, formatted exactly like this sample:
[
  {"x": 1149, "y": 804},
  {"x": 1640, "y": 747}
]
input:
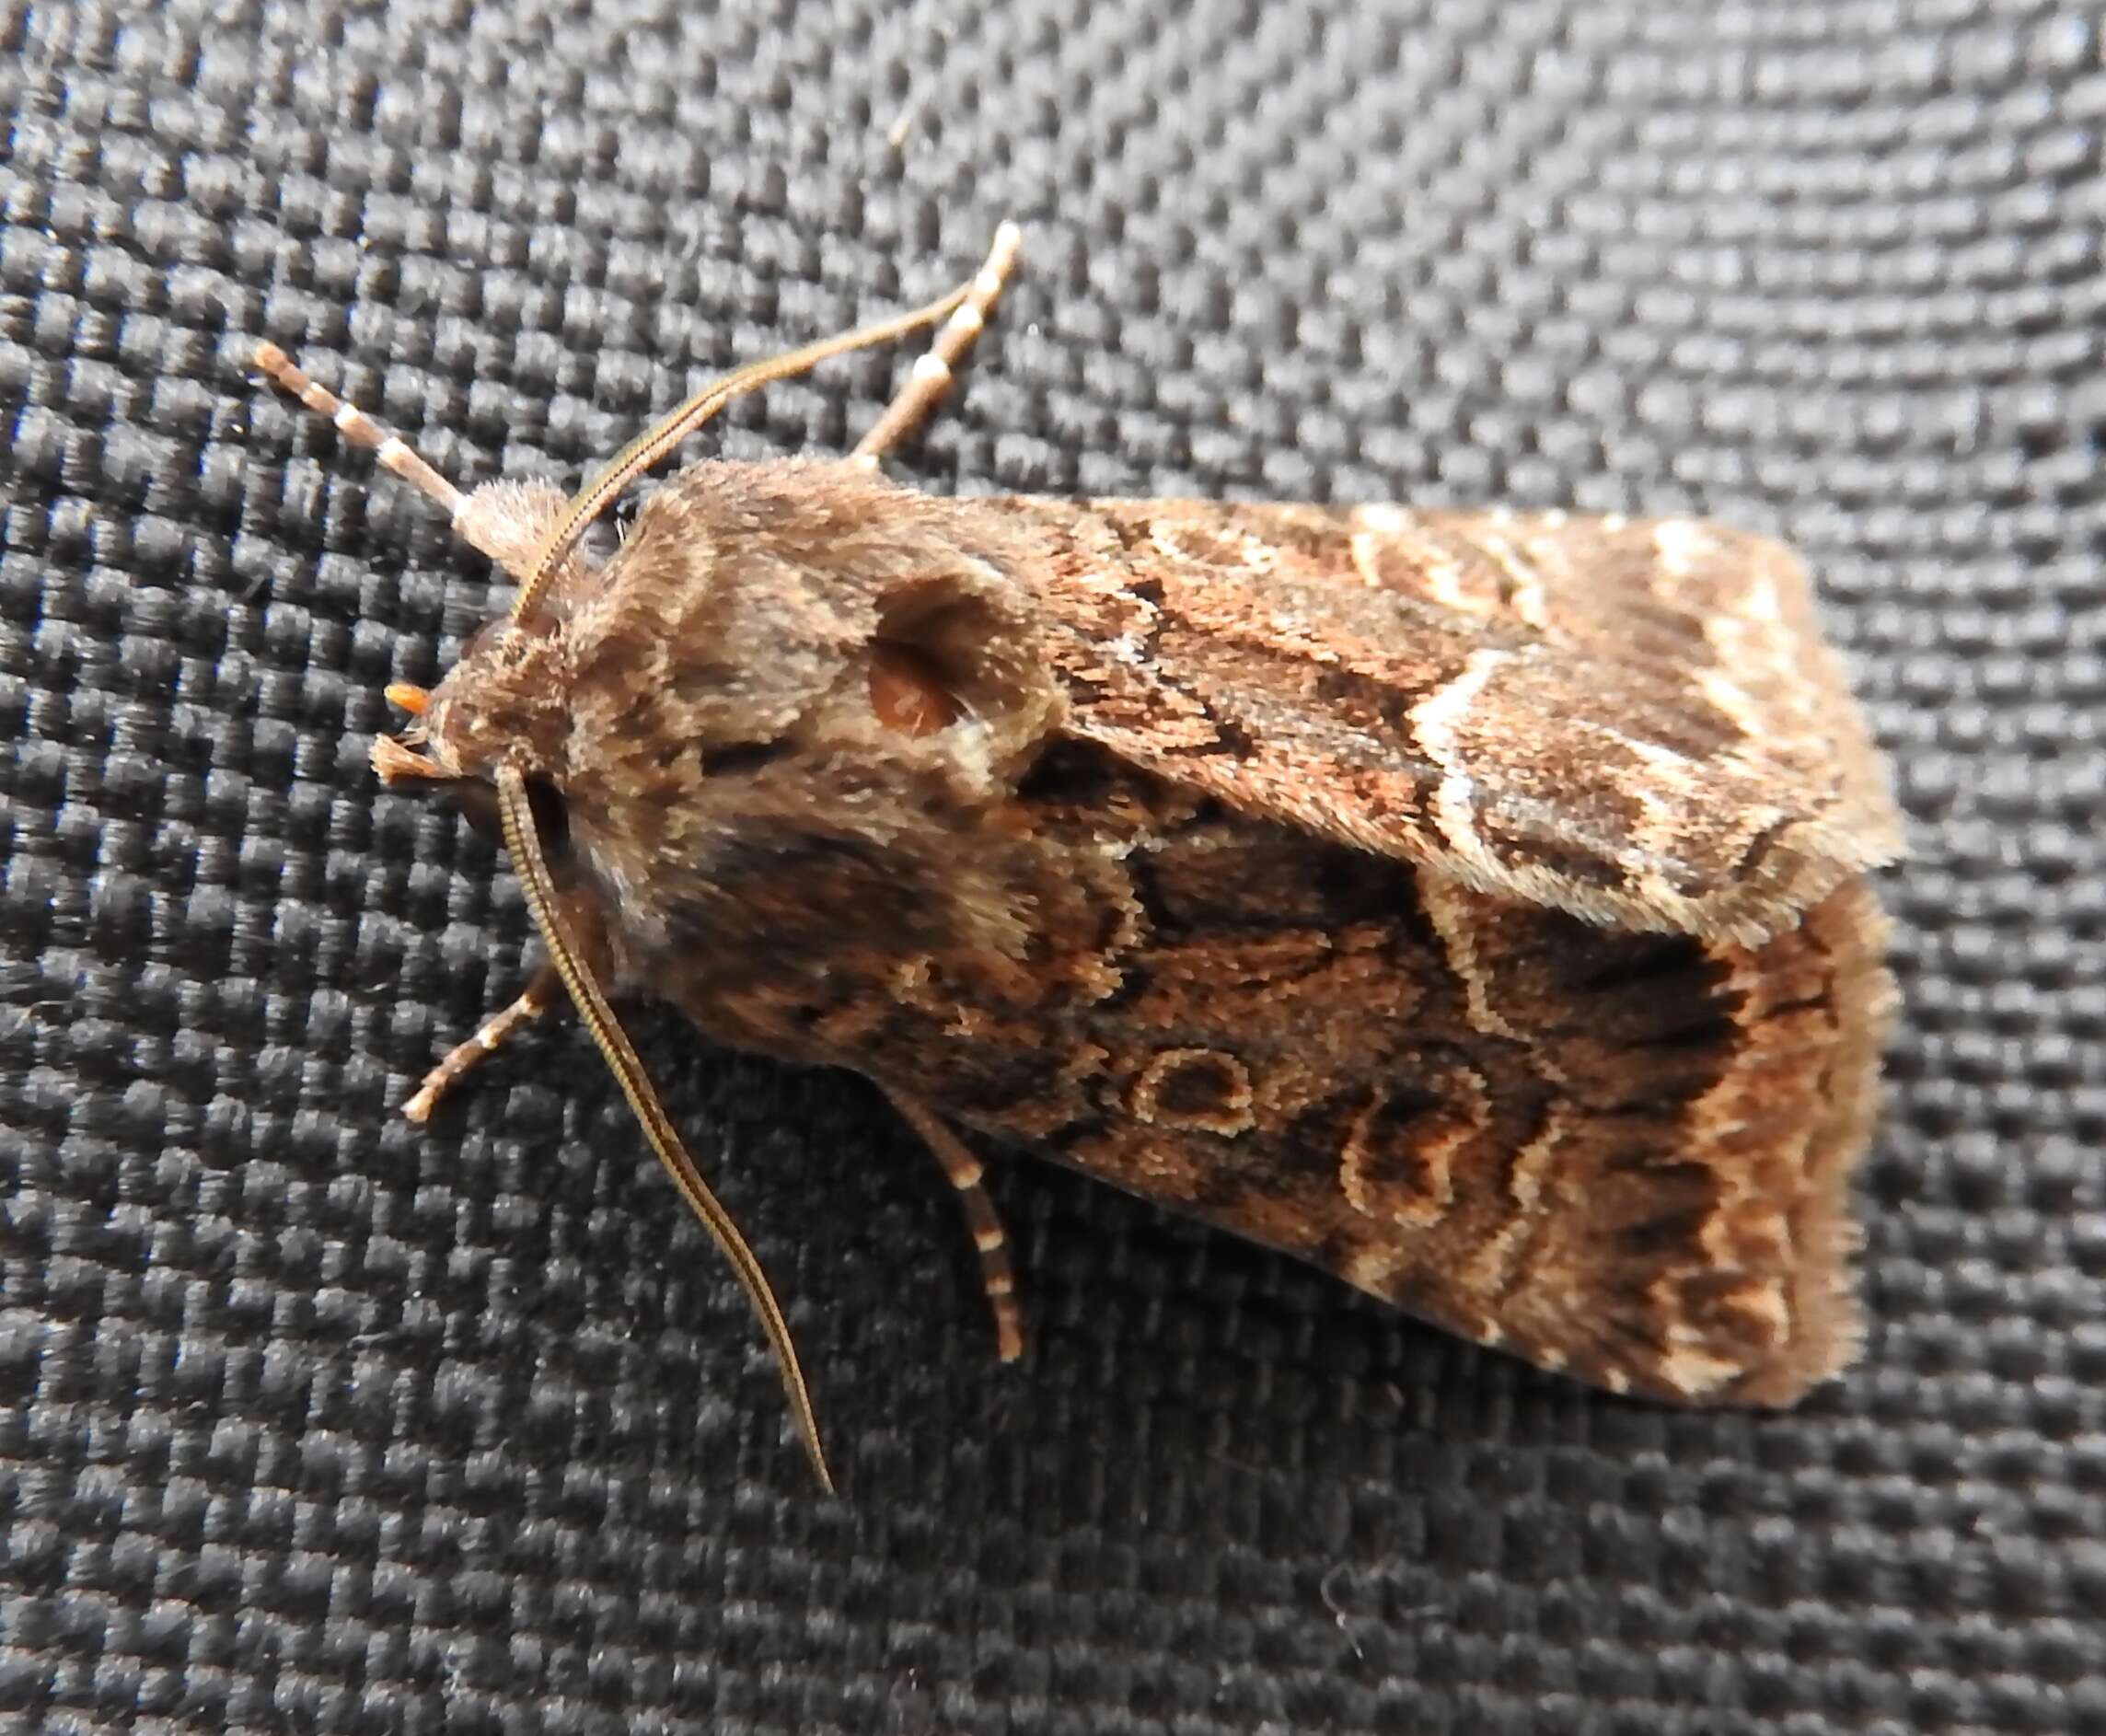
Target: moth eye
[
  {"x": 480, "y": 640},
  {"x": 552, "y": 819},
  {"x": 908, "y": 692},
  {"x": 477, "y": 804}
]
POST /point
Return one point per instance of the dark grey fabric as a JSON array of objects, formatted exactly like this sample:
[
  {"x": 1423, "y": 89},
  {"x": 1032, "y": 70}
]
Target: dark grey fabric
[{"x": 312, "y": 1420}]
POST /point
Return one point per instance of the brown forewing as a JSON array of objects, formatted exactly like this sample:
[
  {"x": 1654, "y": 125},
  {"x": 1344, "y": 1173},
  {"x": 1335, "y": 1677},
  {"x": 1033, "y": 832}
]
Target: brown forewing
[
  {"x": 1624, "y": 1156},
  {"x": 1633, "y": 720}
]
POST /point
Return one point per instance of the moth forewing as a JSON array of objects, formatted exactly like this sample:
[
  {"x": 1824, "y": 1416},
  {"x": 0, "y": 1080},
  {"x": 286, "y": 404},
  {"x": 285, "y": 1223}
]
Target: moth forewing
[{"x": 1473, "y": 904}]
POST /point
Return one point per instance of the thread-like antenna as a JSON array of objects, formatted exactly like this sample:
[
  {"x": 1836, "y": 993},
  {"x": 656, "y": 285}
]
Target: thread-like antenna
[{"x": 522, "y": 841}]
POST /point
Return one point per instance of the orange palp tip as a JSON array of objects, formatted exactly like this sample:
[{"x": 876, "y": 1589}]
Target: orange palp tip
[{"x": 411, "y": 699}]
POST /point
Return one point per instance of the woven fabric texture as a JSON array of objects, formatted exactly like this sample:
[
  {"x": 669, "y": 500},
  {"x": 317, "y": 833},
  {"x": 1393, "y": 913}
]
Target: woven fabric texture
[{"x": 310, "y": 1419}]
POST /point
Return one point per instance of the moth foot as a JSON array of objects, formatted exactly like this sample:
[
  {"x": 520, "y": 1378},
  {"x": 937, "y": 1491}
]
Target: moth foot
[
  {"x": 536, "y": 998},
  {"x": 990, "y": 1239}
]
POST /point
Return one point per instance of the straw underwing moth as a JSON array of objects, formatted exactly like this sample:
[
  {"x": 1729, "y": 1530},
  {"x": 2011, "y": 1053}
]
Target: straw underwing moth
[{"x": 1472, "y": 903}]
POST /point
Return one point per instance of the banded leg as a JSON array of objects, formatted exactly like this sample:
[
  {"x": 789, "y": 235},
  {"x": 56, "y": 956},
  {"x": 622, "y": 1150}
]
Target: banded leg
[
  {"x": 544, "y": 990},
  {"x": 393, "y": 452},
  {"x": 989, "y": 1237},
  {"x": 930, "y": 377}
]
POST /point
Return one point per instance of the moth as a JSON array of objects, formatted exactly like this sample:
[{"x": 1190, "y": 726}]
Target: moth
[{"x": 1475, "y": 904}]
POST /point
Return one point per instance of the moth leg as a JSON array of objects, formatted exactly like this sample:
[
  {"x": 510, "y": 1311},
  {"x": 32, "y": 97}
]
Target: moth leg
[
  {"x": 989, "y": 1237},
  {"x": 543, "y": 991},
  {"x": 930, "y": 377}
]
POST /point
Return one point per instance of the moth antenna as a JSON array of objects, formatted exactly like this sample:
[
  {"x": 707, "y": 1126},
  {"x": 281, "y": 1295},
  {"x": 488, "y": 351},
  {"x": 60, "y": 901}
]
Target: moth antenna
[
  {"x": 658, "y": 441},
  {"x": 393, "y": 452},
  {"x": 523, "y": 844}
]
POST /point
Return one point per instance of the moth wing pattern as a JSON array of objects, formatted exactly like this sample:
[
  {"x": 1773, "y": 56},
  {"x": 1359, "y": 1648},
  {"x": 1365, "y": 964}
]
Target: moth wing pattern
[
  {"x": 1633, "y": 720},
  {"x": 1496, "y": 934},
  {"x": 1622, "y": 1156}
]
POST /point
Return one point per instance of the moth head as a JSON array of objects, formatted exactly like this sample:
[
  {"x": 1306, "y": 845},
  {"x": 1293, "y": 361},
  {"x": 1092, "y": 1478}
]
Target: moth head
[{"x": 499, "y": 705}]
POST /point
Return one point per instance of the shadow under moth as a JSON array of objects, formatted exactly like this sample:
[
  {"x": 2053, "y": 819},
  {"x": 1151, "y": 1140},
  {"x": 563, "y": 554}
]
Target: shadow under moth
[{"x": 1472, "y": 902}]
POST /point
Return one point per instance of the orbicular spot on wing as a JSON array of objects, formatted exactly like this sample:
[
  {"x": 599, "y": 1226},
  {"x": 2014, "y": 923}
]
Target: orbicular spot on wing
[
  {"x": 1399, "y": 1157},
  {"x": 1193, "y": 1090}
]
